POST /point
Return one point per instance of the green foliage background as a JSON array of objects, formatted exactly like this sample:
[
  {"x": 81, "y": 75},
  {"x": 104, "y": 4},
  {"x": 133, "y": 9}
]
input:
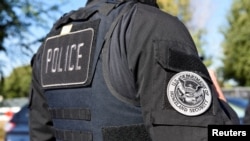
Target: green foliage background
[
  {"x": 18, "y": 83},
  {"x": 236, "y": 45},
  {"x": 17, "y": 38}
]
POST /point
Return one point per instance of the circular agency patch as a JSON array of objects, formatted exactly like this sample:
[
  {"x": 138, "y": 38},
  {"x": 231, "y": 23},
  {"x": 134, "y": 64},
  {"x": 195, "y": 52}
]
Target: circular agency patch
[{"x": 188, "y": 93}]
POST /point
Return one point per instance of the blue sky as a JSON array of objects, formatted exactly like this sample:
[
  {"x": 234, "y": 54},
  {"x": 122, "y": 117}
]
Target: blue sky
[
  {"x": 211, "y": 16},
  {"x": 73, "y": 4},
  {"x": 207, "y": 14}
]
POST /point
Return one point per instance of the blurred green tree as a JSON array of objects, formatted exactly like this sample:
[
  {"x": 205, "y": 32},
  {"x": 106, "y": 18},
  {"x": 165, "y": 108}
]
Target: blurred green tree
[
  {"x": 18, "y": 83},
  {"x": 19, "y": 18},
  {"x": 236, "y": 44}
]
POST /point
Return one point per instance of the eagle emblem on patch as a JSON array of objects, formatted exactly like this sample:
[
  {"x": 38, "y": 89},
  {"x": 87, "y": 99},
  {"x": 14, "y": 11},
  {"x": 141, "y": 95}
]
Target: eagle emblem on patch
[{"x": 188, "y": 93}]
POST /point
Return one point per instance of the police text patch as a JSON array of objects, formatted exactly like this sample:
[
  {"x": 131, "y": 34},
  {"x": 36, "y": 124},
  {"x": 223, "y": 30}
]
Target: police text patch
[
  {"x": 66, "y": 59},
  {"x": 188, "y": 93}
]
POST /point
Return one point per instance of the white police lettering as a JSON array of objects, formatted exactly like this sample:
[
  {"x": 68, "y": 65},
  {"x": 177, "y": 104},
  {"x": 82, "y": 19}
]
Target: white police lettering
[
  {"x": 78, "y": 56},
  {"x": 188, "y": 93},
  {"x": 55, "y": 58}
]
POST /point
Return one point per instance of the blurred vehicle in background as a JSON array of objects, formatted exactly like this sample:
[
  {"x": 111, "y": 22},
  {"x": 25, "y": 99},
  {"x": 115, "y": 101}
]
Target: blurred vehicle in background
[
  {"x": 16, "y": 129},
  {"x": 9, "y": 107},
  {"x": 6, "y": 113},
  {"x": 239, "y": 105}
]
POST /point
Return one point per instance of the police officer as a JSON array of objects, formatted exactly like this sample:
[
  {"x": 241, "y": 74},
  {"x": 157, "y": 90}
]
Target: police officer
[{"x": 122, "y": 70}]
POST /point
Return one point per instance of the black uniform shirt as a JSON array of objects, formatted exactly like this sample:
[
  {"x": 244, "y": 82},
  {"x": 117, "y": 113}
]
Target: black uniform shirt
[
  {"x": 147, "y": 49},
  {"x": 150, "y": 61}
]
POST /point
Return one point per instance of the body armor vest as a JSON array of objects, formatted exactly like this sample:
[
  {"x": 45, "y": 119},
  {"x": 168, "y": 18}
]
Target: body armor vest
[{"x": 81, "y": 105}]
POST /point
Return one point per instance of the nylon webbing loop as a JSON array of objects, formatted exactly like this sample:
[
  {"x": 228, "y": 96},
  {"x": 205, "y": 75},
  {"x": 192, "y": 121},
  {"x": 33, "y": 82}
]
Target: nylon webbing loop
[
  {"x": 67, "y": 135},
  {"x": 71, "y": 113},
  {"x": 126, "y": 133}
]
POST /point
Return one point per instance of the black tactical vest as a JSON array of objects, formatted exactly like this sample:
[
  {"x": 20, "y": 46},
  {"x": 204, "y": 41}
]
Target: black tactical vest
[{"x": 81, "y": 105}]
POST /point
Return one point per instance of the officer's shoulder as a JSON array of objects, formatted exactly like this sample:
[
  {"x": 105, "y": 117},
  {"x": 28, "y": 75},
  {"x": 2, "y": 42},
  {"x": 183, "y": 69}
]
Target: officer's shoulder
[
  {"x": 153, "y": 12},
  {"x": 154, "y": 16},
  {"x": 64, "y": 16}
]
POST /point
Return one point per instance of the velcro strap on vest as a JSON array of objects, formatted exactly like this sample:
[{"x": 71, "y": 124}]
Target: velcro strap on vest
[
  {"x": 68, "y": 135},
  {"x": 71, "y": 113},
  {"x": 126, "y": 133}
]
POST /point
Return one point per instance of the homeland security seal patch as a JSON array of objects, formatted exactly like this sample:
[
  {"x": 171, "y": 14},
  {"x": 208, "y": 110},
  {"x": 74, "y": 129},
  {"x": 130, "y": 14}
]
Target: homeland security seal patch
[{"x": 188, "y": 93}]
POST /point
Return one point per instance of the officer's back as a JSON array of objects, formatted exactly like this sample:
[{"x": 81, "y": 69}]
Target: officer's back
[{"x": 121, "y": 71}]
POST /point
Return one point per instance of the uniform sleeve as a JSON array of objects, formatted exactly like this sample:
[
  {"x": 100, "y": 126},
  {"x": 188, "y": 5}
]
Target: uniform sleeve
[
  {"x": 39, "y": 118},
  {"x": 177, "y": 95}
]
